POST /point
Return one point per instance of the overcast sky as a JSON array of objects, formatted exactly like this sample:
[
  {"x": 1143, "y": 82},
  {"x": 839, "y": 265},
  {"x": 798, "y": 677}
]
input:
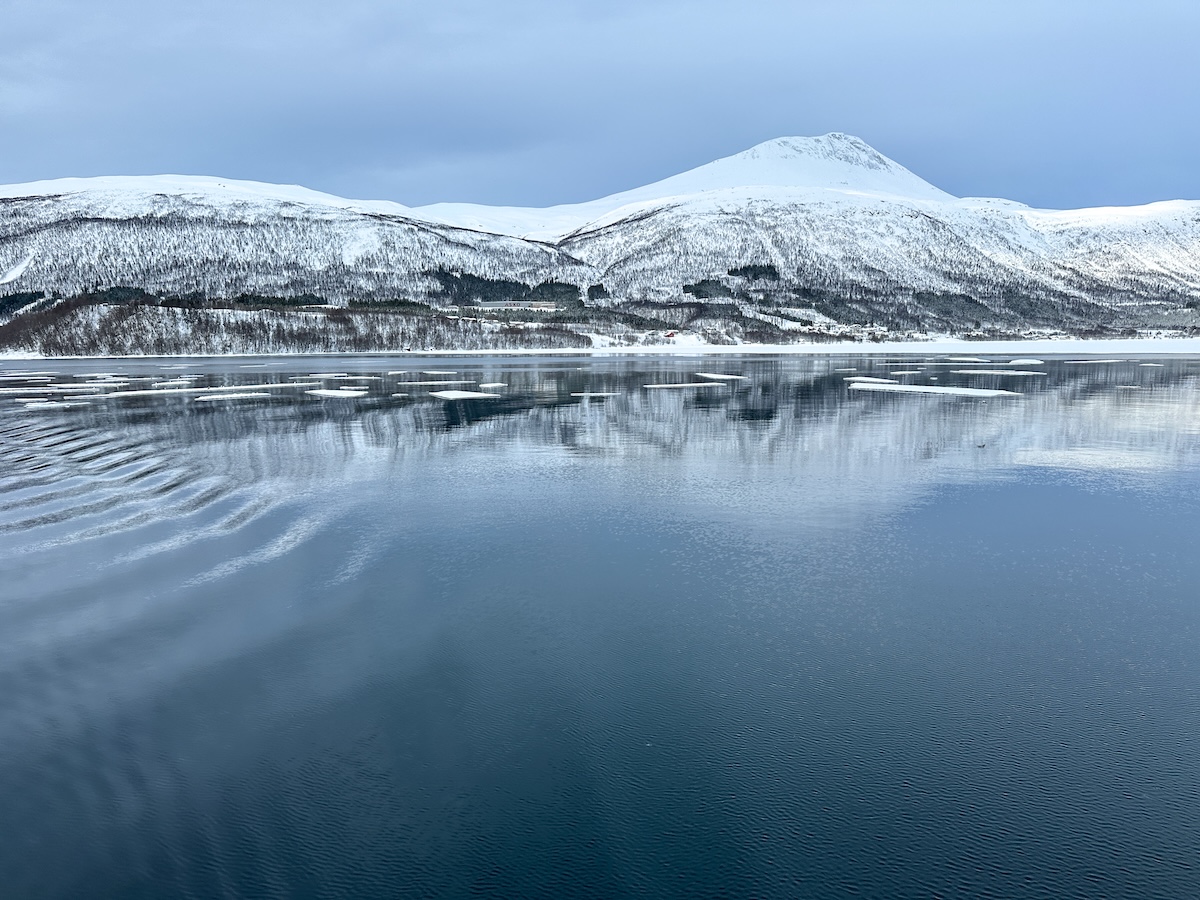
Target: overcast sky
[{"x": 1057, "y": 103}]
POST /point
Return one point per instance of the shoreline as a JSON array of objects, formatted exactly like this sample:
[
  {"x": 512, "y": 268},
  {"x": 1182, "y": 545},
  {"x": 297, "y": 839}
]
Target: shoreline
[{"x": 1043, "y": 346}]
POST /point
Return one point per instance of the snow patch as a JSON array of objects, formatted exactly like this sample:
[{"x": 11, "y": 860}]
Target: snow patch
[{"x": 17, "y": 271}]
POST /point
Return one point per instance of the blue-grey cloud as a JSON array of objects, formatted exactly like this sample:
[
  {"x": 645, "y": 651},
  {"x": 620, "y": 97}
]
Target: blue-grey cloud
[{"x": 522, "y": 102}]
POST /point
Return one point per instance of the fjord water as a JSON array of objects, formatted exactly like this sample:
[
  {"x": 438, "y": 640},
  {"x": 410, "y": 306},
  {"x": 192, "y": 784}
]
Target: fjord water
[{"x": 775, "y": 638}]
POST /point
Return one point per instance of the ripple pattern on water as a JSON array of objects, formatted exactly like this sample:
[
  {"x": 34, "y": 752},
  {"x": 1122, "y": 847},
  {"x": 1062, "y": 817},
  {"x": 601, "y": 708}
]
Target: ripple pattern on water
[{"x": 585, "y": 639}]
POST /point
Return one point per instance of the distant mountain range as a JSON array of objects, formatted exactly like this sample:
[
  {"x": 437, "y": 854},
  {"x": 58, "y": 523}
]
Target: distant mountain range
[{"x": 796, "y": 238}]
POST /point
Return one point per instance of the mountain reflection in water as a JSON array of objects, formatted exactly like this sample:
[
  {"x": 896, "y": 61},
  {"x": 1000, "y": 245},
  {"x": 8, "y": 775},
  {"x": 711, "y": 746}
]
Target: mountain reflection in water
[{"x": 668, "y": 641}]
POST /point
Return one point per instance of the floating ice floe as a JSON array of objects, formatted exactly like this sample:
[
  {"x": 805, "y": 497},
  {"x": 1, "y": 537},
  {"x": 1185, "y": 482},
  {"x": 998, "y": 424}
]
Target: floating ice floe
[
  {"x": 227, "y": 389},
  {"x": 974, "y": 359},
  {"x": 1151, "y": 365},
  {"x": 341, "y": 376},
  {"x": 177, "y": 383},
  {"x": 1027, "y": 362},
  {"x": 438, "y": 372},
  {"x": 867, "y": 379},
  {"x": 441, "y": 381},
  {"x": 55, "y": 404},
  {"x": 933, "y": 389},
  {"x": 687, "y": 384},
  {"x": 994, "y": 372},
  {"x": 851, "y": 369},
  {"x": 242, "y": 395},
  {"x": 719, "y": 377},
  {"x": 46, "y": 389},
  {"x": 907, "y": 372},
  {"x": 343, "y": 393},
  {"x": 463, "y": 395},
  {"x": 493, "y": 384}
]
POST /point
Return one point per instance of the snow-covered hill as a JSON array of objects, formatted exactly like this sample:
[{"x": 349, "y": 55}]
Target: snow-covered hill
[
  {"x": 825, "y": 225},
  {"x": 188, "y": 235}
]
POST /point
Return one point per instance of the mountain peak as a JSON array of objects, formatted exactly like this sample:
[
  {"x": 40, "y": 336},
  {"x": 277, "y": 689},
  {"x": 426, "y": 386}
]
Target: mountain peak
[
  {"x": 835, "y": 146},
  {"x": 834, "y": 161}
]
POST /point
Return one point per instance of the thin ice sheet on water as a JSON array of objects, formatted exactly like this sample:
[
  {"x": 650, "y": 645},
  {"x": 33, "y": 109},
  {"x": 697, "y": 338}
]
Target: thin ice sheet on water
[
  {"x": 40, "y": 389},
  {"x": 717, "y": 376},
  {"x": 994, "y": 372},
  {"x": 428, "y": 383},
  {"x": 687, "y": 384},
  {"x": 867, "y": 379},
  {"x": 462, "y": 395},
  {"x": 243, "y": 395},
  {"x": 55, "y": 404},
  {"x": 334, "y": 393},
  {"x": 934, "y": 389},
  {"x": 162, "y": 392}
]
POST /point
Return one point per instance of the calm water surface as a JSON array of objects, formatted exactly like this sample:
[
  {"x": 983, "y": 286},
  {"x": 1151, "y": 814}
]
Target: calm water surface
[{"x": 775, "y": 638}]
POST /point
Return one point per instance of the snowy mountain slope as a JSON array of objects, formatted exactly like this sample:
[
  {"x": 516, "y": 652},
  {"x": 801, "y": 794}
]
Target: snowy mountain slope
[
  {"x": 836, "y": 162},
  {"x": 824, "y": 223},
  {"x": 186, "y": 235},
  {"x": 845, "y": 241},
  {"x": 128, "y": 193}
]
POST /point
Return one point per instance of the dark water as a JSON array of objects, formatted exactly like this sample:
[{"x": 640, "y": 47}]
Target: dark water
[{"x": 775, "y": 639}]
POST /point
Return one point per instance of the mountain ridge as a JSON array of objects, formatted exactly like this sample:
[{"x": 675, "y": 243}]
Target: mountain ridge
[{"x": 773, "y": 241}]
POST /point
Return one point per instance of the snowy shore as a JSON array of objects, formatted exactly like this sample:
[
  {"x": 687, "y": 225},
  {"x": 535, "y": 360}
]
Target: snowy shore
[{"x": 1043, "y": 347}]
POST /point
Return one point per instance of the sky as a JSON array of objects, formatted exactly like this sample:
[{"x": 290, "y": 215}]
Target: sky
[{"x": 1056, "y": 103}]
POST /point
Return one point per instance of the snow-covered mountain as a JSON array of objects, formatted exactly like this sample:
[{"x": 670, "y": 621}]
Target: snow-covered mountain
[
  {"x": 217, "y": 237},
  {"x": 815, "y": 229},
  {"x": 837, "y": 162}
]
